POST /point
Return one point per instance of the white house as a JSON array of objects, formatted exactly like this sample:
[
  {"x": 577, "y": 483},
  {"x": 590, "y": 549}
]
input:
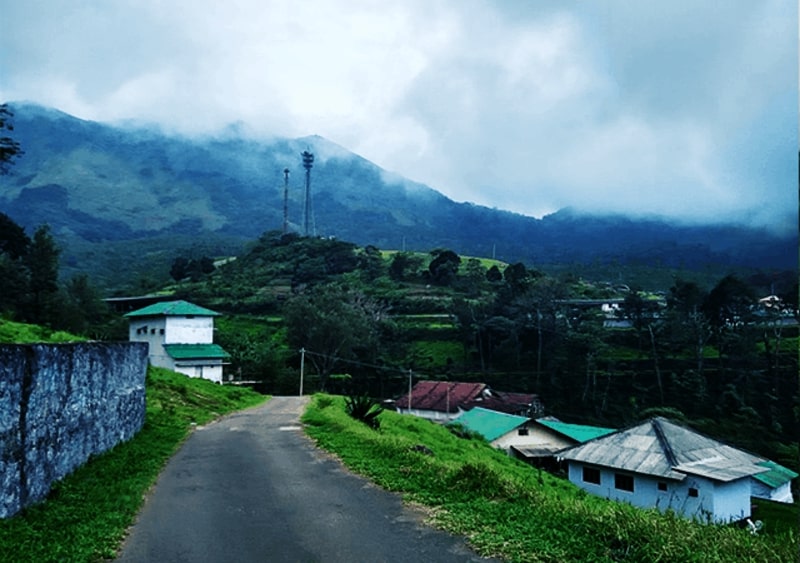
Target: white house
[
  {"x": 181, "y": 338},
  {"x": 663, "y": 465}
]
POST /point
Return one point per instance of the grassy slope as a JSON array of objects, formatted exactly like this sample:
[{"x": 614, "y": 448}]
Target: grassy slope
[
  {"x": 87, "y": 513},
  {"x": 507, "y": 509}
]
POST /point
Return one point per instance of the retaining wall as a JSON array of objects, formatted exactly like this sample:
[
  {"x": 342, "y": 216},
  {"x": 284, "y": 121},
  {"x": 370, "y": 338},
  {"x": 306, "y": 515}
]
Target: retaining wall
[{"x": 60, "y": 404}]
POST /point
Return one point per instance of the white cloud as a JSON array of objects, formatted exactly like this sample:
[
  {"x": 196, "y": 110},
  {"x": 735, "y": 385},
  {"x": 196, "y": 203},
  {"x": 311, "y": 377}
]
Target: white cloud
[{"x": 653, "y": 108}]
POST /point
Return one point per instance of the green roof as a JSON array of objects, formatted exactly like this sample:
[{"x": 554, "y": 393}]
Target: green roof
[
  {"x": 173, "y": 308},
  {"x": 489, "y": 424},
  {"x": 577, "y": 432},
  {"x": 776, "y": 476},
  {"x": 195, "y": 351}
]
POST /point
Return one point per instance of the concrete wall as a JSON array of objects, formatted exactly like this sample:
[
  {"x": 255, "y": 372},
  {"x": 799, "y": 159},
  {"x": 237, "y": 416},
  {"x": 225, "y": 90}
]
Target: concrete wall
[{"x": 60, "y": 404}]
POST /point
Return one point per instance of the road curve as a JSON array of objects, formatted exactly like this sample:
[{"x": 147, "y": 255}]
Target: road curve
[{"x": 253, "y": 488}]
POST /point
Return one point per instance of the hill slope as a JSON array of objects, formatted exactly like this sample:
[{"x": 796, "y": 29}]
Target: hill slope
[{"x": 119, "y": 195}]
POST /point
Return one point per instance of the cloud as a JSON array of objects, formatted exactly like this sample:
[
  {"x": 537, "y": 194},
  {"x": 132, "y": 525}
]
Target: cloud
[{"x": 686, "y": 109}]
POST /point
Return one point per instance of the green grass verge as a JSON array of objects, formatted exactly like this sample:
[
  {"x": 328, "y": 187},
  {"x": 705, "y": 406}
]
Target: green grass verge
[
  {"x": 509, "y": 510},
  {"x": 87, "y": 513},
  {"x": 13, "y": 332}
]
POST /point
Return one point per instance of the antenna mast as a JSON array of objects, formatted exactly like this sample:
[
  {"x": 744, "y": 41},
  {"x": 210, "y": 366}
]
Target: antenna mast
[
  {"x": 308, "y": 163},
  {"x": 285, "y": 200}
]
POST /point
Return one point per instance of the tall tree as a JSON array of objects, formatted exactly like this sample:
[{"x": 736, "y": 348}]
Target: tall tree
[
  {"x": 42, "y": 262},
  {"x": 332, "y": 323}
]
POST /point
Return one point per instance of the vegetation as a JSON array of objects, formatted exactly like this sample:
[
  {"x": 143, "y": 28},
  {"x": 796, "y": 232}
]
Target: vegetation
[
  {"x": 509, "y": 510},
  {"x": 87, "y": 513}
]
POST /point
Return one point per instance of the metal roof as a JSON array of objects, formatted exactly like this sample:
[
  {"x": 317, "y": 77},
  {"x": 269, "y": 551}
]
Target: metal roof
[
  {"x": 442, "y": 396},
  {"x": 776, "y": 475},
  {"x": 662, "y": 448},
  {"x": 173, "y": 308},
  {"x": 488, "y": 423},
  {"x": 195, "y": 351},
  {"x": 576, "y": 432}
]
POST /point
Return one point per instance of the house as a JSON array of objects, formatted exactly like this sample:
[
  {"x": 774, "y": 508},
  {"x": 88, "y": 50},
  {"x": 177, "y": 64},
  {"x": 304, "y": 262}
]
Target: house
[
  {"x": 520, "y": 404},
  {"x": 663, "y": 465},
  {"x": 447, "y": 400},
  {"x": 440, "y": 400},
  {"x": 500, "y": 429},
  {"x": 548, "y": 436},
  {"x": 181, "y": 338},
  {"x": 774, "y": 484}
]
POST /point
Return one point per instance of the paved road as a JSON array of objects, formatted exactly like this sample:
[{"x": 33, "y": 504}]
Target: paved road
[{"x": 253, "y": 488}]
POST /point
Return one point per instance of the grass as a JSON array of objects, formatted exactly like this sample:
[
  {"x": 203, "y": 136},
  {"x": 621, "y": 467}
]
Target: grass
[
  {"x": 13, "y": 332},
  {"x": 509, "y": 510},
  {"x": 86, "y": 515}
]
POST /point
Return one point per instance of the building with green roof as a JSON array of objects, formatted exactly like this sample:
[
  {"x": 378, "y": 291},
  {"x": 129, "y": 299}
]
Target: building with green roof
[{"x": 181, "y": 338}]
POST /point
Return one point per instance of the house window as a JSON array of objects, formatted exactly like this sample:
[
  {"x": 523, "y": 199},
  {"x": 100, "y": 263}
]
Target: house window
[
  {"x": 623, "y": 482},
  {"x": 662, "y": 486},
  {"x": 152, "y": 331},
  {"x": 161, "y": 331},
  {"x": 522, "y": 432},
  {"x": 591, "y": 475},
  {"x": 693, "y": 492}
]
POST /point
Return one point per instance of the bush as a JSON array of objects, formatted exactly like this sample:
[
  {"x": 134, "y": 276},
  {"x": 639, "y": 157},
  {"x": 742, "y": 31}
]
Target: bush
[{"x": 364, "y": 409}]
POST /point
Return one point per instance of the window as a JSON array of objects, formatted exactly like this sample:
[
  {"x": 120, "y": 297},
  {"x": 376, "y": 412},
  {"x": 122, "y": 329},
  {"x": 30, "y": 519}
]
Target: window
[
  {"x": 591, "y": 475},
  {"x": 693, "y": 492},
  {"x": 662, "y": 486},
  {"x": 152, "y": 331},
  {"x": 522, "y": 432},
  {"x": 161, "y": 331},
  {"x": 623, "y": 482}
]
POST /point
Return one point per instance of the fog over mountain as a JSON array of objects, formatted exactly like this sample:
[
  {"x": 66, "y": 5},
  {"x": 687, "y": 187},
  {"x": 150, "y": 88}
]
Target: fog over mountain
[{"x": 105, "y": 189}]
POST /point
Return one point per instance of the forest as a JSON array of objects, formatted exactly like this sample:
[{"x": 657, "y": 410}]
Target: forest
[{"x": 707, "y": 351}]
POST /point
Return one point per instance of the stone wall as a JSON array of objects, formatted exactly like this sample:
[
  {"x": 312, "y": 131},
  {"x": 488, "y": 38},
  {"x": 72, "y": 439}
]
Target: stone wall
[{"x": 60, "y": 404}]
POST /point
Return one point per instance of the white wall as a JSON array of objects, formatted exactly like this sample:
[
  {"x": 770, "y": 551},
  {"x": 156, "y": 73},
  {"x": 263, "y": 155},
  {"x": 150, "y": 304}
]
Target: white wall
[
  {"x": 189, "y": 330},
  {"x": 151, "y": 330},
  {"x": 720, "y": 502},
  {"x": 537, "y": 436},
  {"x": 201, "y": 370},
  {"x": 436, "y": 416},
  {"x": 779, "y": 494}
]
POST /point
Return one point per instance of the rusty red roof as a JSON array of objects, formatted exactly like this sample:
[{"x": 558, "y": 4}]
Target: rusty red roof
[{"x": 442, "y": 396}]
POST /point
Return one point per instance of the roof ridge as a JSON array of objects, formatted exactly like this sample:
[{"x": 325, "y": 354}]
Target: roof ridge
[{"x": 665, "y": 445}]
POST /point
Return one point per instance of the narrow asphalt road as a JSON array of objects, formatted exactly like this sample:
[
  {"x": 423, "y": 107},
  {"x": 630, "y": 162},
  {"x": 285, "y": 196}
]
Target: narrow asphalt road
[{"x": 252, "y": 487}]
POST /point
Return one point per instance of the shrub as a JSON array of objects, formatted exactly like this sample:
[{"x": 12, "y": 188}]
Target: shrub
[{"x": 364, "y": 409}]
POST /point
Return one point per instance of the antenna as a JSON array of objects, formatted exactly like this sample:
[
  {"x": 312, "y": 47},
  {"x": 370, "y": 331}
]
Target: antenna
[
  {"x": 285, "y": 200},
  {"x": 308, "y": 164}
]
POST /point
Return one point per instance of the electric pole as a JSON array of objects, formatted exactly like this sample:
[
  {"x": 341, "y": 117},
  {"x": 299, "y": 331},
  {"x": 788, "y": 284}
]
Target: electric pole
[{"x": 308, "y": 163}]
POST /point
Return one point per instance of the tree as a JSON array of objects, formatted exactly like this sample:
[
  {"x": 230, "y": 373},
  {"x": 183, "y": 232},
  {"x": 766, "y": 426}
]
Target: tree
[
  {"x": 444, "y": 266},
  {"x": 333, "y": 323},
  {"x": 404, "y": 265},
  {"x": 9, "y": 148},
  {"x": 42, "y": 263}
]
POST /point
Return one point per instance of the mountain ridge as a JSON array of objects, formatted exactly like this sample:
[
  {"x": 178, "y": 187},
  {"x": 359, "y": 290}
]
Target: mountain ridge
[{"x": 99, "y": 185}]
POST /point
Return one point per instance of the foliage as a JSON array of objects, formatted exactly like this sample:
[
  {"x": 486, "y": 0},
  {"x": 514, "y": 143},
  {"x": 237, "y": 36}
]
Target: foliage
[
  {"x": 511, "y": 511},
  {"x": 88, "y": 512},
  {"x": 363, "y": 409},
  {"x": 22, "y": 333},
  {"x": 9, "y": 148}
]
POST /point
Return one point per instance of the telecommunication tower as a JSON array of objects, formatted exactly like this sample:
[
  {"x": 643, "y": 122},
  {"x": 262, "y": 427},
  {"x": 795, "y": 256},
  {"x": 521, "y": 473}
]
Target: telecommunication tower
[{"x": 308, "y": 164}]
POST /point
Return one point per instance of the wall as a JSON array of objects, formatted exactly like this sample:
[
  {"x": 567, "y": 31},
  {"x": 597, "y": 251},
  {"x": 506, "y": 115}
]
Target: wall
[
  {"x": 60, "y": 404},
  {"x": 720, "y": 502}
]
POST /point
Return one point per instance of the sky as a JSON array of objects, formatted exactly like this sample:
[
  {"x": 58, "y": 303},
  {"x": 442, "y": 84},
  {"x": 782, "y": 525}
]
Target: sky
[{"x": 685, "y": 109}]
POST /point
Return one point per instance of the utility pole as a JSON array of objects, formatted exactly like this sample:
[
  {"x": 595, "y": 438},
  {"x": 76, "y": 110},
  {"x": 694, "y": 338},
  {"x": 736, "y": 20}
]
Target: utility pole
[
  {"x": 285, "y": 200},
  {"x": 302, "y": 367},
  {"x": 410, "y": 373},
  {"x": 308, "y": 164}
]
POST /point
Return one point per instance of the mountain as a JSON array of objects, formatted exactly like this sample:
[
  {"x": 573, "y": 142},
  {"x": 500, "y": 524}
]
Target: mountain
[{"x": 118, "y": 197}]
